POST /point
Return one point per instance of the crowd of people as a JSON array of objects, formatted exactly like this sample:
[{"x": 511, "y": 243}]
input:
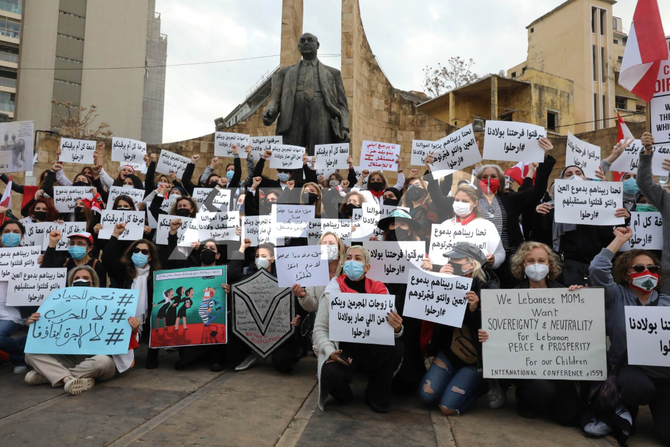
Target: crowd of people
[{"x": 526, "y": 249}]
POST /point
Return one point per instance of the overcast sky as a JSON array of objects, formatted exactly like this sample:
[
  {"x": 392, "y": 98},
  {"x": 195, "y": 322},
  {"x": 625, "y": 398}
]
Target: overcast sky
[{"x": 405, "y": 36}]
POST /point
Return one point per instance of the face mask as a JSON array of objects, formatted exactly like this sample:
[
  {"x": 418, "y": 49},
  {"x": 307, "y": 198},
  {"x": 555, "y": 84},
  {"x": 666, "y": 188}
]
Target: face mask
[
  {"x": 11, "y": 239},
  {"x": 333, "y": 252},
  {"x": 283, "y": 176},
  {"x": 80, "y": 184},
  {"x": 240, "y": 207},
  {"x": 139, "y": 259},
  {"x": 576, "y": 178},
  {"x": 630, "y": 186},
  {"x": 129, "y": 186},
  {"x": 375, "y": 186},
  {"x": 81, "y": 283},
  {"x": 79, "y": 213},
  {"x": 212, "y": 184},
  {"x": 398, "y": 234},
  {"x": 77, "y": 252},
  {"x": 462, "y": 209},
  {"x": 124, "y": 208},
  {"x": 262, "y": 263},
  {"x": 645, "y": 282},
  {"x": 645, "y": 208},
  {"x": 207, "y": 257},
  {"x": 309, "y": 198},
  {"x": 415, "y": 193},
  {"x": 40, "y": 215},
  {"x": 334, "y": 183},
  {"x": 489, "y": 185},
  {"x": 458, "y": 269},
  {"x": 229, "y": 175},
  {"x": 354, "y": 270},
  {"x": 183, "y": 212},
  {"x": 349, "y": 209},
  {"x": 391, "y": 202},
  {"x": 537, "y": 272}
]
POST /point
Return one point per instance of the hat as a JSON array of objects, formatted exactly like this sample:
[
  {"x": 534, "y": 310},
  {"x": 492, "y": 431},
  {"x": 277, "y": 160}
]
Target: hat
[
  {"x": 84, "y": 235},
  {"x": 401, "y": 216},
  {"x": 181, "y": 190},
  {"x": 462, "y": 250},
  {"x": 129, "y": 167}
]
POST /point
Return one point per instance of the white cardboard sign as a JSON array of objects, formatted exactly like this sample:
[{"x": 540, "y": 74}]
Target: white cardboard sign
[
  {"x": 30, "y": 287},
  {"x": 377, "y": 156},
  {"x": 585, "y": 156},
  {"x": 648, "y": 335},
  {"x": 331, "y": 156},
  {"x": 224, "y": 142},
  {"x": 436, "y": 297},
  {"x": 513, "y": 141},
  {"x": 588, "y": 202},
  {"x": 126, "y": 150},
  {"x": 306, "y": 265},
  {"x": 76, "y": 151},
  {"x": 361, "y": 318}
]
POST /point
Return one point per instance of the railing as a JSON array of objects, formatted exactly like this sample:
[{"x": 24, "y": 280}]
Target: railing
[
  {"x": 8, "y": 82},
  {"x": 261, "y": 81},
  {"x": 9, "y": 33},
  {"x": 9, "y": 57},
  {"x": 7, "y": 107},
  {"x": 163, "y": 37}
]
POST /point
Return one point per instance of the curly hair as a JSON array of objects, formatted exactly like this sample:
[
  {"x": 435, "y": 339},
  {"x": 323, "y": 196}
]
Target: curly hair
[
  {"x": 518, "y": 268},
  {"x": 624, "y": 262}
]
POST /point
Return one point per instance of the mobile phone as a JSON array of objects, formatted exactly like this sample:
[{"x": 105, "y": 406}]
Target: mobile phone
[{"x": 344, "y": 357}]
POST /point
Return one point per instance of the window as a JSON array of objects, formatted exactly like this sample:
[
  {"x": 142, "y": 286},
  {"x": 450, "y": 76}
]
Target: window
[
  {"x": 603, "y": 16},
  {"x": 616, "y": 41},
  {"x": 614, "y": 23},
  {"x": 593, "y": 20},
  {"x": 7, "y": 101},
  {"x": 514, "y": 74},
  {"x": 10, "y": 28},
  {"x": 603, "y": 64},
  {"x": 532, "y": 30},
  {"x": 641, "y": 109},
  {"x": 620, "y": 102},
  {"x": 604, "y": 112},
  {"x": 11, "y": 6},
  {"x": 552, "y": 121},
  {"x": 595, "y": 67},
  {"x": 620, "y": 59},
  {"x": 507, "y": 116},
  {"x": 523, "y": 70},
  {"x": 595, "y": 110}
]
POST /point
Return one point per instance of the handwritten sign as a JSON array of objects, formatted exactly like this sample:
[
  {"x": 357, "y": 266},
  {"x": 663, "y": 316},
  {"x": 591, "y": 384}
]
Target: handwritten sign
[
  {"x": 481, "y": 232},
  {"x": 220, "y": 226},
  {"x": 76, "y": 151},
  {"x": 163, "y": 228},
  {"x": 134, "y": 221},
  {"x": 331, "y": 156},
  {"x": 307, "y": 266},
  {"x": 171, "y": 162},
  {"x": 138, "y": 167},
  {"x": 287, "y": 157},
  {"x": 84, "y": 321},
  {"x": 257, "y": 229},
  {"x": 588, "y": 203},
  {"x": 391, "y": 262},
  {"x": 544, "y": 334},
  {"x": 65, "y": 197},
  {"x": 37, "y": 234},
  {"x": 169, "y": 203},
  {"x": 648, "y": 335},
  {"x": 436, "y": 297},
  {"x": 421, "y": 149},
  {"x": 30, "y": 287},
  {"x": 17, "y": 146},
  {"x": 630, "y": 159},
  {"x": 513, "y": 141},
  {"x": 364, "y": 220},
  {"x": 17, "y": 257},
  {"x": 125, "y": 150},
  {"x": 291, "y": 220},
  {"x": 261, "y": 144},
  {"x": 361, "y": 318},
  {"x": 376, "y": 156},
  {"x": 647, "y": 232},
  {"x": 458, "y": 151},
  {"x": 262, "y": 312},
  {"x": 585, "y": 156},
  {"x": 221, "y": 200},
  {"x": 224, "y": 142},
  {"x": 136, "y": 194},
  {"x": 318, "y": 227}
]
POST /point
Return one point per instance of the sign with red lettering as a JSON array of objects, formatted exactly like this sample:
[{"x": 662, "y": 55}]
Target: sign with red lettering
[
  {"x": 377, "y": 156},
  {"x": 659, "y": 109}
]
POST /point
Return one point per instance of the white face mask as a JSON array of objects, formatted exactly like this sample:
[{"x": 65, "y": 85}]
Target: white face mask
[
  {"x": 646, "y": 282},
  {"x": 537, "y": 272},
  {"x": 462, "y": 209},
  {"x": 333, "y": 252},
  {"x": 262, "y": 263},
  {"x": 576, "y": 178}
]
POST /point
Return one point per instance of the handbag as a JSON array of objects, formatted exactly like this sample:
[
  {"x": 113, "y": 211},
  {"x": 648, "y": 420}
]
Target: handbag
[{"x": 463, "y": 346}]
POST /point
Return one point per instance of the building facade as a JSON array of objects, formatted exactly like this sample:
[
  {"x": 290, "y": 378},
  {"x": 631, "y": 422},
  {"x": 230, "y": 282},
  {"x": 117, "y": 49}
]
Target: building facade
[{"x": 10, "y": 32}]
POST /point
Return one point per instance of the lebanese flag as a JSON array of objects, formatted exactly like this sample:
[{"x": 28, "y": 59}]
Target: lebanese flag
[
  {"x": 6, "y": 200},
  {"x": 623, "y": 132},
  {"x": 518, "y": 172},
  {"x": 645, "y": 50}
]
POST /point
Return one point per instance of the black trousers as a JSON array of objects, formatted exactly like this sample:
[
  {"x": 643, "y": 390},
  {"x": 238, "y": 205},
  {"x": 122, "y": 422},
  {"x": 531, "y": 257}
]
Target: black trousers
[
  {"x": 557, "y": 398},
  {"x": 380, "y": 362}
]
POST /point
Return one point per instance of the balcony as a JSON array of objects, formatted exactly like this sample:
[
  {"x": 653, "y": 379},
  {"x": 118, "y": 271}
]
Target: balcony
[
  {"x": 9, "y": 57},
  {"x": 11, "y": 6},
  {"x": 7, "y": 82},
  {"x": 9, "y": 33}
]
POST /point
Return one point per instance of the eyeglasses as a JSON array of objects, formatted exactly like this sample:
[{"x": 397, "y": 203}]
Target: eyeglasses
[
  {"x": 78, "y": 244},
  {"x": 144, "y": 251},
  {"x": 639, "y": 268}
]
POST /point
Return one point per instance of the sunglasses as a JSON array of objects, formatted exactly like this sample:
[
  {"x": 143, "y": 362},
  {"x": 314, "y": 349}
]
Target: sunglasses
[
  {"x": 144, "y": 251},
  {"x": 639, "y": 268}
]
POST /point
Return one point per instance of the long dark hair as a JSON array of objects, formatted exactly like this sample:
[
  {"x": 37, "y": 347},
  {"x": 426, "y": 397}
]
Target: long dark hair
[{"x": 126, "y": 260}]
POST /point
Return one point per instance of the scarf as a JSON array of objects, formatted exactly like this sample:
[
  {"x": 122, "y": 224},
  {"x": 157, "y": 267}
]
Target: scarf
[
  {"x": 140, "y": 284},
  {"x": 558, "y": 230}
]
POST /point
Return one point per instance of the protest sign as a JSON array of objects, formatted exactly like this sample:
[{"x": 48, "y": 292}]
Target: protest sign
[
  {"x": 588, "y": 202},
  {"x": 376, "y": 156},
  {"x": 647, "y": 232},
  {"x": 458, "y": 151},
  {"x": 364, "y": 220},
  {"x": 84, "y": 321},
  {"x": 331, "y": 156},
  {"x": 513, "y": 141},
  {"x": 65, "y": 197},
  {"x": 163, "y": 228},
  {"x": 291, "y": 220},
  {"x": 421, "y": 149},
  {"x": 361, "y": 318},
  {"x": 76, "y": 151},
  {"x": 37, "y": 234},
  {"x": 585, "y": 156},
  {"x": 17, "y": 257},
  {"x": 220, "y": 226},
  {"x": 436, "y": 297},
  {"x": 659, "y": 106},
  {"x": 134, "y": 221},
  {"x": 287, "y": 157},
  {"x": 224, "y": 142},
  {"x": 544, "y": 334},
  {"x": 17, "y": 146},
  {"x": 630, "y": 159},
  {"x": 648, "y": 335},
  {"x": 136, "y": 194},
  {"x": 661, "y": 153},
  {"x": 138, "y": 167},
  {"x": 318, "y": 227},
  {"x": 189, "y": 307},
  {"x": 261, "y": 144},
  {"x": 306, "y": 265},
  {"x": 126, "y": 150},
  {"x": 262, "y": 312},
  {"x": 169, "y": 202},
  {"x": 171, "y": 162},
  {"x": 257, "y": 229},
  {"x": 480, "y": 232},
  {"x": 221, "y": 200},
  {"x": 391, "y": 262},
  {"x": 30, "y": 287}
]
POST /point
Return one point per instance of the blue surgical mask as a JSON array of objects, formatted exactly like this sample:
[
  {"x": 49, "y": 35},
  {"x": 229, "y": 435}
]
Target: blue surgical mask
[
  {"x": 354, "y": 270},
  {"x": 283, "y": 176},
  {"x": 139, "y": 259},
  {"x": 77, "y": 252},
  {"x": 128, "y": 186},
  {"x": 11, "y": 239},
  {"x": 229, "y": 175},
  {"x": 630, "y": 186}
]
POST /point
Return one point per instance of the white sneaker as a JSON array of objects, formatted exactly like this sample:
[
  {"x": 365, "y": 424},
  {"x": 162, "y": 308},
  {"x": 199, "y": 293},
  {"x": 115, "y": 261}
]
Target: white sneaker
[
  {"x": 496, "y": 395},
  {"x": 246, "y": 363},
  {"x": 20, "y": 369},
  {"x": 597, "y": 428},
  {"x": 35, "y": 378},
  {"x": 78, "y": 386}
]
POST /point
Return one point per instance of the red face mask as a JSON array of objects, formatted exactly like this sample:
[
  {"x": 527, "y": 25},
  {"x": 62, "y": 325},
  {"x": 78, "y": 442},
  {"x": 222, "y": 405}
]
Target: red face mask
[
  {"x": 644, "y": 282},
  {"x": 489, "y": 185}
]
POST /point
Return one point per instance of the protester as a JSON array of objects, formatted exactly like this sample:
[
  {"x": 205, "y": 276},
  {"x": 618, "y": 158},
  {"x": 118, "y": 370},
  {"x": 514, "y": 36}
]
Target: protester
[{"x": 79, "y": 253}]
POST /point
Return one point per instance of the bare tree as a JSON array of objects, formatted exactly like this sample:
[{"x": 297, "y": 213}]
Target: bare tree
[
  {"x": 456, "y": 73},
  {"x": 75, "y": 121}
]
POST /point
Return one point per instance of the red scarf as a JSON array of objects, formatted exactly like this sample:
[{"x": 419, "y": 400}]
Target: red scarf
[
  {"x": 467, "y": 220},
  {"x": 377, "y": 194},
  {"x": 371, "y": 286}
]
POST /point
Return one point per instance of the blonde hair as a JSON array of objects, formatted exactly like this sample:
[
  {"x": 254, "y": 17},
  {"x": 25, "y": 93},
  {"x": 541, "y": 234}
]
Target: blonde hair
[
  {"x": 95, "y": 280},
  {"x": 362, "y": 249},
  {"x": 426, "y": 198},
  {"x": 360, "y": 196},
  {"x": 517, "y": 262},
  {"x": 385, "y": 183},
  {"x": 472, "y": 195},
  {"x": 340, "y": 249}
]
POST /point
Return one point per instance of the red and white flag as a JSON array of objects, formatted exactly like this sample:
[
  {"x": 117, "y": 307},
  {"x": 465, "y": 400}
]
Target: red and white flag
[
  {"x": 6, "y": 200},
  {"x": 645, "y": 50},
  {"x": 518, "y": 172},
  {"x": 623, "y": 131}
]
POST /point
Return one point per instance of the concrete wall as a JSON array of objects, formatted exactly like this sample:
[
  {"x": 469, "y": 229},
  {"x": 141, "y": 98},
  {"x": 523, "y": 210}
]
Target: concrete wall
[{"x": 153, "y": 104}]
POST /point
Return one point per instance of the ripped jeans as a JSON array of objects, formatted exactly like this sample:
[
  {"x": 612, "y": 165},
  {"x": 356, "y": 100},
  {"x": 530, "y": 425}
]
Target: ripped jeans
[{"x": 452, "y": 388}]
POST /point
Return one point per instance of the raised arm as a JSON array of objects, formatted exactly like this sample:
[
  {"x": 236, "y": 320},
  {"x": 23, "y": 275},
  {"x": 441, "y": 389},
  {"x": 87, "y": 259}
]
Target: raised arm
[{"x": 656, "y": 194}]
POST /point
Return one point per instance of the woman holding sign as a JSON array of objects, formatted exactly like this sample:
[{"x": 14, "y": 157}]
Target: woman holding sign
[{"x": 635, "y": 280}]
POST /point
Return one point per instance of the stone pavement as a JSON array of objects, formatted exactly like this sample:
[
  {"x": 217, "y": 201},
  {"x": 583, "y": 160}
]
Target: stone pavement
[{"x": 257, "y": 407}]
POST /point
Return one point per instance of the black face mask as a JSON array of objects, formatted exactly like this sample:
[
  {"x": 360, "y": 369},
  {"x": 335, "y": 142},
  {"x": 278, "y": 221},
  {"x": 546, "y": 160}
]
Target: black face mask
[
  {"x": 81, "y": 283},
  {"x": 207, "y": 256},
  {"x": 213, "y": 184},
  {"x": 415, "y": 193},
  {"x": 458, "y": 269},
  {"x": 349, "y": 209},
  {"x": 375, "y": 186},
  {"x": 399, "y": 234},
  {"x": 309, "y": 198},
  {"x": 80, "y": 184},
  {"x": 183, "y": 212},
  {"x": 391, "y": 202},
  {"x": 40, "y": 215},
  {"x": 79, "y": 213}
]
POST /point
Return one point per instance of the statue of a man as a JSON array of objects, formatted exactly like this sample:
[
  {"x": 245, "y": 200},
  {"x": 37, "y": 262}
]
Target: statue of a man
[{"x": 310, "y": 101}]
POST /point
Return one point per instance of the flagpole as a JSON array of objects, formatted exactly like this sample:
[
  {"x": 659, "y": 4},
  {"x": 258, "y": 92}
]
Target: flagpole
[{"x": 648, "y": 126}]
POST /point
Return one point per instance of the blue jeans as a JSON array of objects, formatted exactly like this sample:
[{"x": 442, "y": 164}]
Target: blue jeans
[
  {"x": 453, "y": 388},
  {"x": 12, "y": 346}
]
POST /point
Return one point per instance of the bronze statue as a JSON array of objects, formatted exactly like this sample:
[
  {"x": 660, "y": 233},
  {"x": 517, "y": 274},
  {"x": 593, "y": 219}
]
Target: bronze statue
[{"x": 310, "y": 101}]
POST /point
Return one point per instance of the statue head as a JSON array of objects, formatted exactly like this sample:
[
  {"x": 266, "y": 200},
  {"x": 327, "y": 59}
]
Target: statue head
[{"x": 308, "y": 45}]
